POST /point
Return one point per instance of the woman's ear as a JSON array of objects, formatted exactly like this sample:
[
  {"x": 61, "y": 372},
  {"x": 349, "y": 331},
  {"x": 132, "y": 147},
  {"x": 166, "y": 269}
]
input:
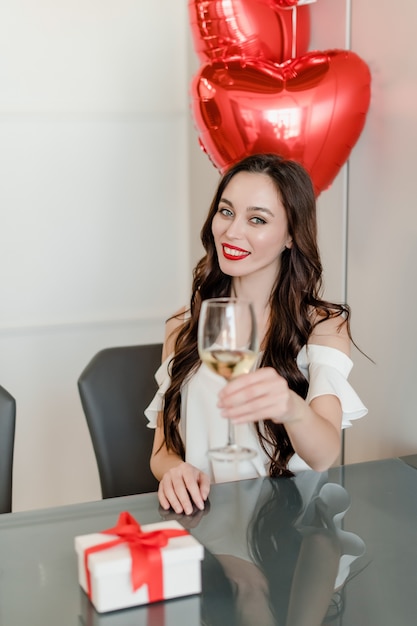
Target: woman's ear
[{"x": 288, "y": 243}]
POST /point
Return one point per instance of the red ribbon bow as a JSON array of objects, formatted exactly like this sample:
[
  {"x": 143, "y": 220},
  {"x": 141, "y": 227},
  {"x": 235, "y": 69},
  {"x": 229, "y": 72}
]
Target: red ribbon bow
[{"x": 145, "y": 549}]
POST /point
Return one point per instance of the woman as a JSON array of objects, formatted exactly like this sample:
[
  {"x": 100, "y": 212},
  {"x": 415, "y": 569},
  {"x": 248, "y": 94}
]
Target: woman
[{"x": 260, "y": 238}]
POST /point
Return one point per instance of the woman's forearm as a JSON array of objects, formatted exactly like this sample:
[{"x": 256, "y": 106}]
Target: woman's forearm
[
  {"x": 162, "y": 460},
  {"x": 315, "y": 438}
]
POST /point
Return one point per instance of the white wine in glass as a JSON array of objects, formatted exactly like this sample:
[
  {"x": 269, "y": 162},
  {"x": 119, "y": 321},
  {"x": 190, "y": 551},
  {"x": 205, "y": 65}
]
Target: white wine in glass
[{"x": 228, "y": 345}]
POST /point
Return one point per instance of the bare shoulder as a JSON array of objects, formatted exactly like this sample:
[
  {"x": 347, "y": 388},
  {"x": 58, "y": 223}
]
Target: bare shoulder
[
  {"x": 331, "y": 332},
  {"x": 172, "y": 328}
]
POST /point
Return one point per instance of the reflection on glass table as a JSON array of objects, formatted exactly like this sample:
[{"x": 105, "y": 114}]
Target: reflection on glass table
[
  {"x": 279, "y": 554},
  {"x": 338, "y": 547}
]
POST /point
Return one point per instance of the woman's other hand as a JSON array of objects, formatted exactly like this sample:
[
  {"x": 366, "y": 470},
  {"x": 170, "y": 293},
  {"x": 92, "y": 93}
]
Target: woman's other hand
[{"x": 183, "y": 486}]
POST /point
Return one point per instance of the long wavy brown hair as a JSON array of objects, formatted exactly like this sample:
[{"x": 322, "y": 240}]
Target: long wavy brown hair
[{"x": 295, "y": 295}]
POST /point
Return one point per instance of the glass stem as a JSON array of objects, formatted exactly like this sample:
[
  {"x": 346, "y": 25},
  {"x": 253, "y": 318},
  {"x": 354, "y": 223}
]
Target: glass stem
[{"x": 230, "y": 434}]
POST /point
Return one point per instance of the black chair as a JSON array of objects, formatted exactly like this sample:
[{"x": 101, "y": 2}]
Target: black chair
[
  {"x": 115, "y": 389},
  {"x": 7, "y": 432}
]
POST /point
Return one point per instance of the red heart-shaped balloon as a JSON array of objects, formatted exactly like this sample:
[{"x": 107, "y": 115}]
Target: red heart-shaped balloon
[
  {"x": 311, "y": 110},
  {"x": 248, "y": 29}
]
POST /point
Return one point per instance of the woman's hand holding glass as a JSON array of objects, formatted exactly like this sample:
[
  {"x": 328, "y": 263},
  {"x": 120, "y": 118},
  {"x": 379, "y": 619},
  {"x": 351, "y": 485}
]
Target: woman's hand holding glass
[
  {"x": 258, "y": 394},
  {"x": 228, "y": 345}
]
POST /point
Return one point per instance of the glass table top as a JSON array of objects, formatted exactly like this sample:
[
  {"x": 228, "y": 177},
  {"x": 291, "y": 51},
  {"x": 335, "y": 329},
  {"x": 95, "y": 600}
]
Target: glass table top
[{"x": 333, "y": 548}]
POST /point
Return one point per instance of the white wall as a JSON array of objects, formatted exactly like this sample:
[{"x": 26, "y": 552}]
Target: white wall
[
  {"x": 94, "y": 230},
  {"x": 383, "y": 232}
]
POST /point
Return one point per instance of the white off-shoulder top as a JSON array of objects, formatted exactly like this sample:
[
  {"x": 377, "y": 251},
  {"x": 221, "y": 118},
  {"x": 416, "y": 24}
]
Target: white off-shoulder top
[{"x": 202, "y": 427}]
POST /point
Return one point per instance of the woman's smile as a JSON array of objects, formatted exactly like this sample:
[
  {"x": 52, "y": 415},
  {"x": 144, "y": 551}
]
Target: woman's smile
[{"x": 233, "y": 253}]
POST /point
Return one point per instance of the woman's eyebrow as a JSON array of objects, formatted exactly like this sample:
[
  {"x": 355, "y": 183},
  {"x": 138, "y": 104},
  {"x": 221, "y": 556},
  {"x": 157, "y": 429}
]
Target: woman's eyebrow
[
  {"x": 226, "y": 201},
  {"x": 261, "y": 209}
]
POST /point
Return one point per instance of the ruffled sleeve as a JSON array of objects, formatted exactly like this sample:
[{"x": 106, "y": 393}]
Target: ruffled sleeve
[
  {"x": 327, "y": 370},
  {"x": 163, "y": 378}
]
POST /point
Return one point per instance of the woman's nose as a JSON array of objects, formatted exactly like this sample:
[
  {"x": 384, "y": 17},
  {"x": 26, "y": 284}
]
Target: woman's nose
[{"x": 234, "y": 230}]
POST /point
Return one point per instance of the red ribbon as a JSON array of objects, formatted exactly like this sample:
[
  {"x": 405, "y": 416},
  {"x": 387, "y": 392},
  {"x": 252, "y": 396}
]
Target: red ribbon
[{"x": 145, "y": 549}]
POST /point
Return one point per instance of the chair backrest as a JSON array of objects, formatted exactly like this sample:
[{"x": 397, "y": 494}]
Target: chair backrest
[
  {"x": 7, "y": 432},
  {"x": 115, "y": 388}
]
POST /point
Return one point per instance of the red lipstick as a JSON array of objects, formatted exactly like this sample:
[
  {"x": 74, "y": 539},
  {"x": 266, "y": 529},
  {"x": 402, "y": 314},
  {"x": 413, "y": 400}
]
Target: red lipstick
[{"x": 233, "y": 253}]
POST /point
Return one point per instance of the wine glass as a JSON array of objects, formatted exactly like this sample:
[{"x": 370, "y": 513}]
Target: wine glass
[{"x": 228, "y": 345}]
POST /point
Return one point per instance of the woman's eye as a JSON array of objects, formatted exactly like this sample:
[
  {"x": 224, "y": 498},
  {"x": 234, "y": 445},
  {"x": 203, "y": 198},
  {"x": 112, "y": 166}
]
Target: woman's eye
[
  {"x": 225, "y": 211},
  {"x": 257, "y": 220}
]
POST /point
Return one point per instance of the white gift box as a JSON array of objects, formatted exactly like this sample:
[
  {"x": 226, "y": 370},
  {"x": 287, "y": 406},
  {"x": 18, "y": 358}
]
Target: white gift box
[{"x": 110, "y": 569}]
